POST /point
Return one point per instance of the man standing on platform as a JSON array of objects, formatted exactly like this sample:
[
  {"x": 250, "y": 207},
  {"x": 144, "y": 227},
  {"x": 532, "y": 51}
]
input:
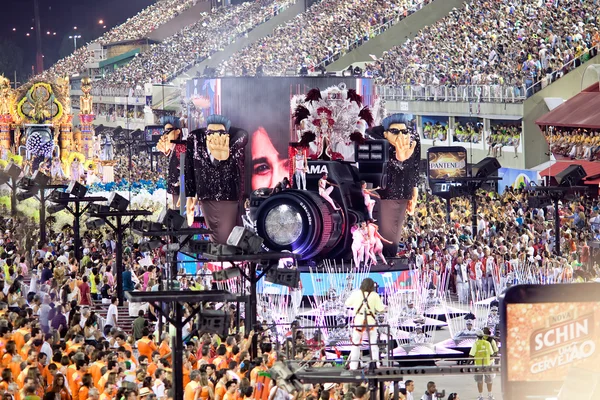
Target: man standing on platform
[{"x": 365, "y": 304}]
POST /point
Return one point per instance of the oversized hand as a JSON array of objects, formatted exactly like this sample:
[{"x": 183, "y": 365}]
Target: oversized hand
[
  {"x": 190, "y": 205},
  {"x": 405, "y": 147},
  {"x": 163, "y": 144},
  {"x": 218, "y": 146},
  {"x": 412, "y": 203}
]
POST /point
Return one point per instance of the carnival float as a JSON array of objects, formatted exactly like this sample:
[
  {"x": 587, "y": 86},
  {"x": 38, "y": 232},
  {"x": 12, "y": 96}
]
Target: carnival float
[{"x": 36, "y": 129}]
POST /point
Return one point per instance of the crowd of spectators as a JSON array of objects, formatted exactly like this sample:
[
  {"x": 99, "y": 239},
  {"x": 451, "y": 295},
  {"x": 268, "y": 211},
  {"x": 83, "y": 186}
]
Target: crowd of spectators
[
  {"x": 311, "y": 39},
  {"x": 136, "y": 27},
  {"x": 468, "y": 133},
  {"x": 503, "y": 135},
  {"x": 194, "y": 43},
  {"x": 512, "y": 243},
  {"x": 435, "y": 131},
  {"x": 574, "y": 143},
  {"x": 61, "y": 329},
  {"x": 512, "y": 43}
]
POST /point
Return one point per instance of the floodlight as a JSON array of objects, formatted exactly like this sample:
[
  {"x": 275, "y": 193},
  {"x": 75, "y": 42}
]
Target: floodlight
[{"x": 118, "y": 202}]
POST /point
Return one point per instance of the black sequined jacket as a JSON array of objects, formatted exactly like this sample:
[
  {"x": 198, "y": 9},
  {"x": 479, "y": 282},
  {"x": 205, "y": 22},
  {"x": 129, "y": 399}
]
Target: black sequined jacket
[
  {"x": 212, "y": 179},
  {"x": 400, "y": 178}
]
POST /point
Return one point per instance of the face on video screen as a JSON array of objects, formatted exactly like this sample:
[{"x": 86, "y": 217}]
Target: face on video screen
[{"x": 268, "y": 164}]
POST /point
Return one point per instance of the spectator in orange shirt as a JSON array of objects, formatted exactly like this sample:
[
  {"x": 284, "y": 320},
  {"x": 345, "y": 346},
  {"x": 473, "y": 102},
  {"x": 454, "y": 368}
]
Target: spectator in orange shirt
[
  {"x": 230, "y": 387},
  {"x": 145, "y": 345},
  {"x": 164, "y": 349}
]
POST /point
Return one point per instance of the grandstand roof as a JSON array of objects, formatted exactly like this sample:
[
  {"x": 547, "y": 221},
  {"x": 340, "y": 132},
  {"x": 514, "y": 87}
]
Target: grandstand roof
[
  {"x": 580, "y": 111},
  {"x": 592, "y": 170}
]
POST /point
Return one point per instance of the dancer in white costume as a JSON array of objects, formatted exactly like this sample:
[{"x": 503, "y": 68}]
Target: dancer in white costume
[
  {"x": 369, "y": 202},
  {"x": 376, "y": 242},
  {"x": 360, "y": 245},
  {"x": 300, "y": 168},
  {"x": 365, "y": 304},
  {"x": 325, "y": 191}
]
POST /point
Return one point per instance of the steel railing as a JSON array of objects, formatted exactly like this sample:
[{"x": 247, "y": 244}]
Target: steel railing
[{"x": 460, "y": 93}]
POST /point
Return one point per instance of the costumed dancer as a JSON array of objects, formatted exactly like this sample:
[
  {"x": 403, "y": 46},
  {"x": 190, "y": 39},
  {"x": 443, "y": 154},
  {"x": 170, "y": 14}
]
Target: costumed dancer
[
  {"x": 91, "y": 177},
  {"x": 369, "y": 202},
  {"x": 173, "y": 151},
  {"x": 107, "y": 148},
  {"x": 300, "y": 168},
  {"x": 400, "y": 192},
  {"x": 56, "y": 170},
  {"x": 213, "y": 174},
  {"x": 360, "y": 242},
  {"x": 431, "y": 300},
  {"x": 469, "y": 330},
  {"x": 76, "y": 170},
  {"x": 418, "y": 336},
  {"x": 325, "y": 191},
  {"x": 376, "y": 242},
  {"x": 493, "y": 319},
  {"x": 409, "y": 310},
  {"x": 365, "y": 304}
]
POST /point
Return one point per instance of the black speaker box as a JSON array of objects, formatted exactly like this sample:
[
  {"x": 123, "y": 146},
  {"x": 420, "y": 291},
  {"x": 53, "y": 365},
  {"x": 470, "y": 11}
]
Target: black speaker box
[
  {"x": 571, "y": 176},
  {"x": 486, "y": 167}
]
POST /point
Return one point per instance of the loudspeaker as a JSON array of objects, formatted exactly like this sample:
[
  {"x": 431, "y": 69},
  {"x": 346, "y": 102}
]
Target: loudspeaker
[
  {"x": 214, "y": 322},
  {"x": 77, "y": 189},
  {"x": 571, "y": 175},
  {"x": 486, "y": 167},
  {"x": 13, "y": 170},
  {"x": 171, "y": 219}
]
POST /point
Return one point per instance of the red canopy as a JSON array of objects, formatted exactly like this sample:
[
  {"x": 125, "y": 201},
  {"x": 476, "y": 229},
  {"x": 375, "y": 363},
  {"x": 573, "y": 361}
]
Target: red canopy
[
  {"x": 580, "y": 111},
  {"x": 592, "y": 170}
]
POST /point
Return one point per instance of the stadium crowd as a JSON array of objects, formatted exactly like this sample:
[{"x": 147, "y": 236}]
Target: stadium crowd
[
  {"x": 136, "y": 27},
  {"x": 515, "y": 43},
  {"x": 62, "y": 337},
  {"x": 574, "y": 143},
  {"x": 312, "y": 38},
  {"x": 194, "y": 43},
  {"x": 512, "y": 242}
]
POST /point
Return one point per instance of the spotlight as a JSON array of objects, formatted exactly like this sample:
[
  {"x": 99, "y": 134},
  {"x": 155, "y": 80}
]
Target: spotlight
[
  {"x": 93, "y": 224},
  {"x": 54, "y": 208},
  {"x": 25, "y": 183},
  {"x": 57, "y": 196},
  {"x": 39, "y": 178},
  {"x": 198, "y": 246},
  {"x": 150, "y": 245},
  {"x": 146, "y": 226},
  {"x": 118, "y": 202},
  {"x": 245, "y": 239},
  {"x": 98, "y": 209},
  {"x": 171, "y": 219},
  {"x": 77, "y": 189},
  {"x": 215, "y": 322},
  {"x": 285, "y": 377},
  {"x": 226, "y": 274},
  {"x": 13, "y": 171},
  {"x": 284, "y": 276},
  {"x": 25, "y": 194}
]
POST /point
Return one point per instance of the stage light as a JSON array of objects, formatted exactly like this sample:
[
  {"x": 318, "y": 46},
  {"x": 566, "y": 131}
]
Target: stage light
[
  {"x": 54, "y": 208},
  {"x": 4, "y": 178},
  {"x": 27, "y": 34},
  {"x": 198, "y": 246},
  {"x": 171, "y": 219},
  {"x": 98, "y": 209},
  {"x": 47, "y": 32},
  {"x": 77, "y": 189},
  {"x": 118, "y": 202},
  {"x": 245, "y": 239},
  {"x": 57, "y": 196},
  {"x": 13, "y": 171},
  {"x": 14, "y": 29},
  {"x": 214, "y": 322},
  {"x": 284, "y": 276},
  {"x": 25, "y": 183},
  {"x": 75, "y": 27},
  {"x": 226, "y": 274},
  {"x": 39, "y": 178},
  {"x": 95, "y": 223},
  {"x": 150, "y": 245},
  {"x": 101, "y": 22},
  {"x": 25, "y": 194},
  {"x": 285, "y": 377}
]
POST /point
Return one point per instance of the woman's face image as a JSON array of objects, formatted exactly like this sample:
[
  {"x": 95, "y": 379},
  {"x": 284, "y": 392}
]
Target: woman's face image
[{"x": 268, "y": 166}]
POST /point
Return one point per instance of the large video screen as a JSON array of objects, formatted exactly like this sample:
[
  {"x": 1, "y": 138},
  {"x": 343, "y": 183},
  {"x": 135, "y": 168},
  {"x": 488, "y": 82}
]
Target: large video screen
[
  {"x": 262, "y": 107},
  {"x": 544, "y": 341}
]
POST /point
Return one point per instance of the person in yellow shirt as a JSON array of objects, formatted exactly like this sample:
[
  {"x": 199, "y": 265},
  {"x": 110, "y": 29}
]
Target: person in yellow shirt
[{"x": 365, "y": 304}]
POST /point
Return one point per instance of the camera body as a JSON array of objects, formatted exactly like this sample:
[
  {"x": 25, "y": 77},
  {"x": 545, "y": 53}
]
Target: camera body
[{"x": 304, "y": 223}]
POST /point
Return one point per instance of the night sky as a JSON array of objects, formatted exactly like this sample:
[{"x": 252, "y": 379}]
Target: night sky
[{"x": 59, "y": 16}]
